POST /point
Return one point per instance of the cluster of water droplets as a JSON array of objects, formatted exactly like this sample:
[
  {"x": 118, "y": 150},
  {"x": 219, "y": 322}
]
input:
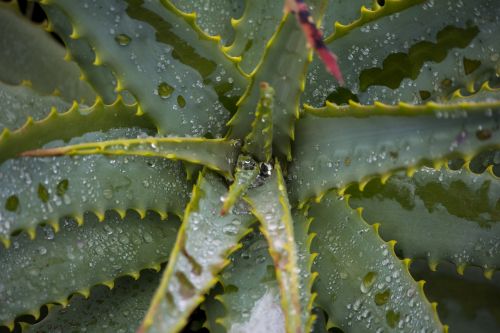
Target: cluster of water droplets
[
  {"x": 150, "y": 45},
  {"x": 369, "y": 286},
  {"x": 118, "y": 310},
  {"x": 88, "y": 255},
  {"x": 44, "y": 189},
  {"x": 20, "y": 102}
]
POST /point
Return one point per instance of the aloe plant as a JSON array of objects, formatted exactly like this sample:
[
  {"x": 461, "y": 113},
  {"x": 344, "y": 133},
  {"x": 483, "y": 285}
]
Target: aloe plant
[{"x": 193, "y": 166}]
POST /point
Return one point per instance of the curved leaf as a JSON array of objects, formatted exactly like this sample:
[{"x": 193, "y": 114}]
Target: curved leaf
[
  {"x": 344, "y": 12},
  {"x": 283, "y": 66},
  {"x": 178, "y": 73},
  {"x": 251, "y": 293},
  {"x": 74, "y": 121},
  {"x": 389, "y": 7},
  {"x": 216, "y": 154},
  {"x": 36, "y": 190},
  {"x": 422, "y": 53},
  {"x": 270, "y": 205},
  {"x": 259, "y": 141},
  {"x": 362, "y": 285},
  {"x": 355, "y": 142},
  {"x": 438, "y": 215},
  {"x": 253, "y": 30},
  {"x": 99, "y": 77},
  {"x": 47, "y": 71},
  {"x": 246, "y": 173},
  {"x": 52, "y": 267},
  {"x": 214, "y": 17},
  {"x": 18, "y": 103},
  {"x": 106, "y": 311},
  {"x": 192, "y": 268},
  {"x": 467, "y": 303}
]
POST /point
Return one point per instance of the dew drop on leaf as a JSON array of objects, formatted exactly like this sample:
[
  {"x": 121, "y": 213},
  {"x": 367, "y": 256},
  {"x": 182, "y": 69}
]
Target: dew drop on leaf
[
  {"x": 230, "y": 229},
  {"x": 123, "y": 39},
  {"x": 181, "y": 101},
  {"x": 43, "y": 194},
  {"x": 483, "y": 134},
  {"x": 62, "y": 187},
  {"x": 12, "y": 203},
  {"x": 368, "y": 281},
  {"x": 392, "y": 318},
  {"x": 383, "y": 297},
  {"x": 165, "y": 90}
]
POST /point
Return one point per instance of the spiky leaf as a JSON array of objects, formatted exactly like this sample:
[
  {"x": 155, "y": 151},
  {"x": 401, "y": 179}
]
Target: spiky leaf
[
  {"x": 438, "y": 215},
  {"x": 159, "y": 54},
  {"x": 108, "y": 311},
  {"x": 191, "y": 269},
  {"x": 362, "y": 285},
  {"x": 54, "y": 266}
]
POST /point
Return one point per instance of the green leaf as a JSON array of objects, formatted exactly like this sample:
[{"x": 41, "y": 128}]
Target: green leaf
[
  {"x": 251, "y": 293},
  {"x": 253, "y": 30},
  {"x": 283, "y": 66},
  {"x": 18, "y": 103},
  {"x": 192, "y": 267},
  {"x": 20, "y": 40},
  {"x": 353, "y": 143},
  {"x": 467, "y": 303},
  {"x": 258, "y": 142},
  {"x": 70, "y": 122},
  {"x": 53, "y": 266},
  {"x": 368, "y": 15},
  {"x": 213, "y": 310},
  {"x": 438, "y": 215},
  {"x": 247, "y": 171},
  {"x": 305, "y": 260},
  {"x": 214, "y": 17},
  {"x": 46, "y": 189},
  {"x": 177, "y": 73},
  {"x": 362, "y": 285},
  {"x": 106, "y": 311},
  {"x": 216, "y": 154},
  {"x": 99, "y": 77},
  {"x": 270, "y": 205},
  {"x": 344, "y": 12},
  {"x": 416, "y": 55}
]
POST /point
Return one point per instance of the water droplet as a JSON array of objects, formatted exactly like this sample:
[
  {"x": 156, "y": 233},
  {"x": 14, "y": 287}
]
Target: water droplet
[
  {"x": 147, "y": 237},
  {"x": 368, "y": 281},
  {"x": 123, "y": 39},
  {"x": 107, "y": 193},
  {"x": 12, "y": 203},
  {"x": 392, "y": 318},
  {"x": 108, "y": 229},
  {"x": 165, "y": 90},
  {"x": 123, "y": 239},
  {"x": 483, "y": 134},
  {"x": 383, "y": 297},
  {"x": 43, "y": 194},
  {"x": 62, "y": 187},
  {"x": 260, "y": 259},
  {"x": 181, "y": 101},
  {"x": 230, "y": 229},
  {"x": 49, "y": 233}
]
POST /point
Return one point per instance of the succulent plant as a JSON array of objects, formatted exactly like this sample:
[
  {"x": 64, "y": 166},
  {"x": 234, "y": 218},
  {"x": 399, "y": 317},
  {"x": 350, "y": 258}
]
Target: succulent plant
[{"x": 193, "y": 166}]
